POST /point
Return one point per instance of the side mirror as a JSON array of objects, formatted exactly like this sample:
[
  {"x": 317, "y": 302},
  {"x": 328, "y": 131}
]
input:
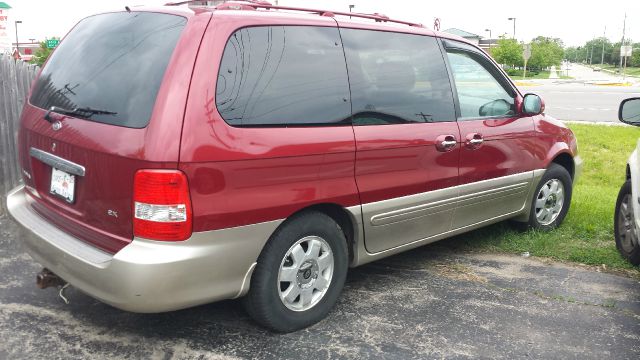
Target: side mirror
[
  {"x": 532, "y": 104},
  {"x": 630, "y": 111}
]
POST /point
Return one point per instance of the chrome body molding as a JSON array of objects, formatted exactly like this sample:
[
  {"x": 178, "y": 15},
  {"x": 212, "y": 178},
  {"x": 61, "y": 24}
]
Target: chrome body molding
[
  {"x": 147, "y": 276},
  {"x": 469, "y": 206},
  {"x": 57, "y": 162}
]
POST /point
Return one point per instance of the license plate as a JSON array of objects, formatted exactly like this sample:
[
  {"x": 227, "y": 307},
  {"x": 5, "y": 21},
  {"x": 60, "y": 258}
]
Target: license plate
[{"x": 63, "y": 184}]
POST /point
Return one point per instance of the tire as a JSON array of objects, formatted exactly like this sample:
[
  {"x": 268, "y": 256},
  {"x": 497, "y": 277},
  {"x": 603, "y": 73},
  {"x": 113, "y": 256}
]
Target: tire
[
  {"x": 625, "y": 231},
  {"x": 272, "y": 300},
  {"x": 551, "y": 199}
]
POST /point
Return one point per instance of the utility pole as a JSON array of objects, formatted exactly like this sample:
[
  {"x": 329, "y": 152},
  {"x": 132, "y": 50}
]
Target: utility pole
[
  {"x": 624, "y": 28},
  {"x": 586, "y": 55},
  {"x": 591, "y": 57},
  {"x": 604, "y": 37}
]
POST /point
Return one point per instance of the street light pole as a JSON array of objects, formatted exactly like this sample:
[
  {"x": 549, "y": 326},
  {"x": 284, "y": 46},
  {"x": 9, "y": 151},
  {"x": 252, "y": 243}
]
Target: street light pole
[
  {"x": 351, "y": 8},
  {"x": 490, "y": 37},
  {"x": 514, "y": 26},
  {"x": 17, "y": 43}
]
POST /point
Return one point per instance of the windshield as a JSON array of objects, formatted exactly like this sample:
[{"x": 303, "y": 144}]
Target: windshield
[{"x": 114, "y": 62}]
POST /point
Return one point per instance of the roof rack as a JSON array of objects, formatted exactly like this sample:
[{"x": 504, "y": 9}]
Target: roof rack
[{"x": 258, "y": 4}]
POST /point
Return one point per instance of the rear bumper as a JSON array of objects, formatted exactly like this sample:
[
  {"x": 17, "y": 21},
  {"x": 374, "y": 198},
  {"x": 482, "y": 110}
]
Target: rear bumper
[{"x": 146, "y": 276}]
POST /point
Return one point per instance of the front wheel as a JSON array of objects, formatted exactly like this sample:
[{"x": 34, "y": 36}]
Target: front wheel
[
  {"x": 625, "y": 229},
  {"x": 551, "y": 199},
  {"x": 300, "y": 273}
]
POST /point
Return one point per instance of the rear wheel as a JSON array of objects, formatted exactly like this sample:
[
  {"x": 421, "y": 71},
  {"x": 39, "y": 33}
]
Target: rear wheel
[
  {"x": 551, "y": 199},
  {"x": 299, "y": 274},
  {"x": 625, "y": 229}
]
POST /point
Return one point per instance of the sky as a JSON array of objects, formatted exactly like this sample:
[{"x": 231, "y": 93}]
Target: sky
[{"x": 575, "y": 22}]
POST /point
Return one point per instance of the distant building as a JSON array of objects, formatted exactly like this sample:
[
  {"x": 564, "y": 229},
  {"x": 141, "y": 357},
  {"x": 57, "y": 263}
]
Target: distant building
[
  {"x": 487, "y": 44},
  {"x": 26, "y": 48},
  {"x": 473, "y": 38}
]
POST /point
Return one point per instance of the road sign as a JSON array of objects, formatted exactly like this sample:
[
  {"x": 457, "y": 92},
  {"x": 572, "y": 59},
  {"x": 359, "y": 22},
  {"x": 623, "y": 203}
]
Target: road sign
[
  {"x": 51, "y": 43},
  {"x": 526, "y": 54},
  {"x": 625, "y": 50}
]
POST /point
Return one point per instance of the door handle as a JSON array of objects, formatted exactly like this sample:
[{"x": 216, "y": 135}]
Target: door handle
[
  {"x": 474, "y": 140},
  {"x": 446, "y": 143}
]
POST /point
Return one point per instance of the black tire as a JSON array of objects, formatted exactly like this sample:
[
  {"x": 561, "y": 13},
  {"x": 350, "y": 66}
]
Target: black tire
[
  {"x": 263, "y": 301},
  {"x": 553, "y": 172},
  {"x": 630, "y": 251}
]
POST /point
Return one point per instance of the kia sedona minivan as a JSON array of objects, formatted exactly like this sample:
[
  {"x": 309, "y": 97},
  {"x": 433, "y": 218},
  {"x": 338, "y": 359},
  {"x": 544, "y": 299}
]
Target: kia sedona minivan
[{"x": 177, "y": 156}]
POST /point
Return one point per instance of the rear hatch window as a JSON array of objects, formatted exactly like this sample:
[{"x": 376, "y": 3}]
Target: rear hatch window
[{"x": 111, "y": 62}]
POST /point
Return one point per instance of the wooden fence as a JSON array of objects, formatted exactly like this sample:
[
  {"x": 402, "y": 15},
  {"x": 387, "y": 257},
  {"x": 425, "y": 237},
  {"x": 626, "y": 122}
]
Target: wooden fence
[{"x": 15, "y": 80}]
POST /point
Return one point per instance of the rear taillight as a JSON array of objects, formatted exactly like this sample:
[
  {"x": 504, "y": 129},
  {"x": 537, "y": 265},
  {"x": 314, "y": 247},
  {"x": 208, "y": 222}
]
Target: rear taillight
[{"x": 161, "y": 205}]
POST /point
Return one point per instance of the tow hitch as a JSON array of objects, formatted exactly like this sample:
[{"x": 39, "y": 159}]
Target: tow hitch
[{"x": 46, "y": 278}]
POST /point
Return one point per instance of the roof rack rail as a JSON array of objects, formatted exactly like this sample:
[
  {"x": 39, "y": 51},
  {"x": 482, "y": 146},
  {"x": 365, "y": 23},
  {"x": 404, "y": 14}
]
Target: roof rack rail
[{"x": 258, "y": 4}]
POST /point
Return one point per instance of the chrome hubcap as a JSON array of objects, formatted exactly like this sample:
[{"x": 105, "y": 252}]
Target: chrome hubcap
[
  {"x": 305, "y": 273},
  {"x": 626, "y": 229},
  {"x": 549, "y": 201}
]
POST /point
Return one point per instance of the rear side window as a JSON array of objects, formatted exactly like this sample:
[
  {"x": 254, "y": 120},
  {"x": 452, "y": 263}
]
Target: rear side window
[
  {"x": 113, "y": 62},
  {"x": 283, "y": 76},
  {"x": 397, "y": 78}
]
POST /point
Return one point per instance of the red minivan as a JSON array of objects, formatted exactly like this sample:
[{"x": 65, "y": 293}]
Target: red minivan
[{"x": 177, "y": 156}]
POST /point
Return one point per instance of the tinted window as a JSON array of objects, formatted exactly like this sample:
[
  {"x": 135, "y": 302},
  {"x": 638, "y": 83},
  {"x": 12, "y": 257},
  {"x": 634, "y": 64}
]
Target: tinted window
[
  {"x": 112, "y": 62},
  {"x": 283, "y": 75},
  {"x": 397, "y": 78},
  {"x": 479, "y": 92}
]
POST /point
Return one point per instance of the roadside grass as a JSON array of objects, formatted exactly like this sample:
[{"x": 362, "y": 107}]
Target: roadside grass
[
  {"x": 517, "y": 75},
  {"x": 586, "y": 236},
  {"x": 631, "y": 71}
]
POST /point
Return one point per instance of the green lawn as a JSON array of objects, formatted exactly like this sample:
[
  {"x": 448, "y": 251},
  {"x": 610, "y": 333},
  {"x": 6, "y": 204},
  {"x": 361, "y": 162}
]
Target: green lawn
[
  {"x": 633, "y": 71},
  {"x": 517, "y": 74},
  {"x": 586, "y": 236}
]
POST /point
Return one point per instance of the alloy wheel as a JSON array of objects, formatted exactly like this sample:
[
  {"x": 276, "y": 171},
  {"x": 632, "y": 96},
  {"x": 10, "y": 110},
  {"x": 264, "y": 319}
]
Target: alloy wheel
[{"x": 305, "y": 273}]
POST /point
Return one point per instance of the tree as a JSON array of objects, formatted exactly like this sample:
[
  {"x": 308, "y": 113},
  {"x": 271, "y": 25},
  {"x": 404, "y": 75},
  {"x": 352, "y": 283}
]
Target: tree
[
  {"x": 42, "y": 53},
  {"x": 634, "y": 60},
  {"x": 508, "y": 52},
  {"x": 594, "y": 50},
  {"x": 545, "y": 52}
]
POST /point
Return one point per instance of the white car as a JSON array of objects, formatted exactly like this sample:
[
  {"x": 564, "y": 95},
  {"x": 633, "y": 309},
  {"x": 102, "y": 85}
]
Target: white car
[{"x": 627, "y": 215}]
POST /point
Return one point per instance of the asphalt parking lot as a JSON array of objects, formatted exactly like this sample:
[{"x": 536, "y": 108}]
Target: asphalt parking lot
[{"x": 427, "y": 303}]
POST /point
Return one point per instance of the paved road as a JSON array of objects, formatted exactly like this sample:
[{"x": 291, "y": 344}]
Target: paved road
[
  {"x": 579, "y": 99},
  {"x": 428, "y": 303},
  {"x": 582, "y": 102},
  {"x": 585, "y": 73}
]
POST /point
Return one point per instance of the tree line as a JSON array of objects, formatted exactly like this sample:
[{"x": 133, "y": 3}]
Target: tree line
[{"x": 591, "y": 52}]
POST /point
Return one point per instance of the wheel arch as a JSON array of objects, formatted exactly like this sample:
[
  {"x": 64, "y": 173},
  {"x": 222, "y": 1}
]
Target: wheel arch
[
  {"x": 565, "y": 160},
  {"x": 346, "y": 220}
]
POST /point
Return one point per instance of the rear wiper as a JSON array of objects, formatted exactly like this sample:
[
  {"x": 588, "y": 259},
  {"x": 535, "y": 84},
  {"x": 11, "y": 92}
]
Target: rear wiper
[{"x": 85, "y": 112}]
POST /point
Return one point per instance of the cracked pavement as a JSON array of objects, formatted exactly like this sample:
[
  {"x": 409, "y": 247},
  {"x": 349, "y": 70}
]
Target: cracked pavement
[{"x": 430, "y": 302}]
